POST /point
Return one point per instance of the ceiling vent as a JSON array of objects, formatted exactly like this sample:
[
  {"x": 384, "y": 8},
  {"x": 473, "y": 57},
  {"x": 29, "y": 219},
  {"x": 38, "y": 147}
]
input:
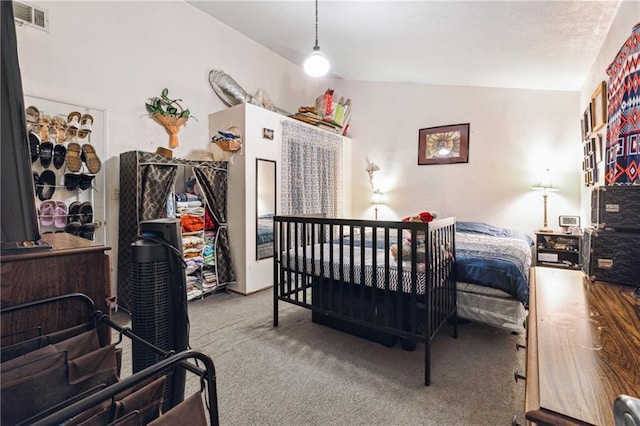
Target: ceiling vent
[{"x": 26, "y": 14}]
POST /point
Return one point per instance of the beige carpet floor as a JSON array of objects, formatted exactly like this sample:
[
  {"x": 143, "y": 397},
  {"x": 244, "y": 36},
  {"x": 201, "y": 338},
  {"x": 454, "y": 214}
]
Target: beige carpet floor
[{"x": 301, "y": 373}]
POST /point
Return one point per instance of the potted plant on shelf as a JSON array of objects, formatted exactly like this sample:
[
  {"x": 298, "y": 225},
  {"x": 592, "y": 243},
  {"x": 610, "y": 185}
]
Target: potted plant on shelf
[{"x": 169, "y": 113}]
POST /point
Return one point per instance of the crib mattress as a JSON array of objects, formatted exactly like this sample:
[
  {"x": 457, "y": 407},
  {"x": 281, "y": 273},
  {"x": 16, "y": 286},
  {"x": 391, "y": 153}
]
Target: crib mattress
[{"x": 338, "y": 267}]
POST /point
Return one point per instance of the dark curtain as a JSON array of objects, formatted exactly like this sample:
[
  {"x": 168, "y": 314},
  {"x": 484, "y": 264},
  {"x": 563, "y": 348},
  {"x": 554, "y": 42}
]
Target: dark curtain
[
  {"x": 156, "y": 184},
  {"x": 213, "y": 184},
  {"x": 19, "y": 218}
]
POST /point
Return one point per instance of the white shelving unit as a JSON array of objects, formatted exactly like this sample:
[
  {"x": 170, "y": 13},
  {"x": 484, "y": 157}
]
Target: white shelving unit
[{"x": 198, "y": 247}]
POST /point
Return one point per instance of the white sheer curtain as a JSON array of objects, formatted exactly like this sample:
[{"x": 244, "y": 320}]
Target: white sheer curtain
[{"x": 311, "y": 171}]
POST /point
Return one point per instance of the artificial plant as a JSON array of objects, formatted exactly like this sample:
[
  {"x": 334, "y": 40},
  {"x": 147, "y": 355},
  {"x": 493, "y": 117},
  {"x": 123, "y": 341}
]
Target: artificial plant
[{"x": 170, "y": 113}]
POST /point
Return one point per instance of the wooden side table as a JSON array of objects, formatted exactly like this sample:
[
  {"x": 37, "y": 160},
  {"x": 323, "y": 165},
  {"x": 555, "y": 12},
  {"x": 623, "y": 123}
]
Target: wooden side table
[
  {"x": 559, "y": 250},
  {"x": 73, "y": 265}
]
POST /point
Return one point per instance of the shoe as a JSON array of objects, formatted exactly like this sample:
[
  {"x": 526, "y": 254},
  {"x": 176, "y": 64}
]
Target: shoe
[
  {"x": 34, "y": 147},
  {"x": 46, "y": 154},
  {"x": 90, "y": 158},
  {"x": 36, "y": 183},
  {"x": 59, "y": 153},
  {"x": 86, "y": 124},
  {"x": 87, "y": 231},
  {"x": 73, "y": 214},
  {"x": 73, "y": 123},
  {"x": 60, "y": 127},
  {"x": 44, "y": 123},
  {"x": 70, "y": 133},
  {"x": 53, "y": 133},
  {"x": 86, "y": 213},
  {"x": 85, "y": 181},
  {"x": 47, "y": 212},
  {"x": 73, "y": 120},
  {"x": 32, "y": 115},
  {"x": 71, "y": 181},
  {"x": 47, "y": 185},
  {"x": 60, "y": 215},
  {"x": 74, "y": 162},
  {"x": 73, "y": 228}
]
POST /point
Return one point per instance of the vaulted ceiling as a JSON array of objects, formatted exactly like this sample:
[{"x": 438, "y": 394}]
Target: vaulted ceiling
[{"x": 514, "y": 44}]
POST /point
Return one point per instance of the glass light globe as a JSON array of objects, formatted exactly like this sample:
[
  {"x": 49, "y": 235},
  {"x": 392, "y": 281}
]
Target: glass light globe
[{"x": 316, "y": 65}]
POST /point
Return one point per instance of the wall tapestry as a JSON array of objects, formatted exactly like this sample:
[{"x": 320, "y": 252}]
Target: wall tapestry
[{"x": 623, "y": 114}]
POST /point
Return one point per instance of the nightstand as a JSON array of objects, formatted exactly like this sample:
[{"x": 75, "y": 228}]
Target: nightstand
[{"x": 559, "y": 250}]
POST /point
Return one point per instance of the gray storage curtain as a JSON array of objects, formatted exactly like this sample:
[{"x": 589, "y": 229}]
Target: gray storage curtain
[
  {"x": 213, "y": 184},
  {"x": 146, "y": 183}
]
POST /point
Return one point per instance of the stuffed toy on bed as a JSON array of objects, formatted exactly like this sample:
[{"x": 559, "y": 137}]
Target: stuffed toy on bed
[{"x": 423, "y": 217}]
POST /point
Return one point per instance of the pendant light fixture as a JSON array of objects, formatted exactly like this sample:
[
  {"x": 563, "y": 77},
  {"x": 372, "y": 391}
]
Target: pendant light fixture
[{"x": 316, "y": 65}]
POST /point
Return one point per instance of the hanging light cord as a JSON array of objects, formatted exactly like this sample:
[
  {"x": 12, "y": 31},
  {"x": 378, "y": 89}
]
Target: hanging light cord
[{"x": 316, "y": 23}]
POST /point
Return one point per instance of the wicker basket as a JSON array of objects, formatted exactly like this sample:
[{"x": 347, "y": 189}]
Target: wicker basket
[{"x": 229, "y": 144}]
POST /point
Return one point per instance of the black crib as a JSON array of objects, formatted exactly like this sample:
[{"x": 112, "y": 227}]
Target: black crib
[{"x": 345, "y": 272}]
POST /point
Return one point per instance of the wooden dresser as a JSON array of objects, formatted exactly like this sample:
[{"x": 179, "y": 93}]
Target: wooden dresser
[
  {"x": 73, "y": 265},
  {"x": 583, "y": 348}
]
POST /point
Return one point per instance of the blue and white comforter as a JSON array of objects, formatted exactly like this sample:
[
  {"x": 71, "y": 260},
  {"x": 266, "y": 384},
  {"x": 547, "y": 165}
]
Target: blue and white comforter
[
  {"x": 485, "y": 255},
  {"x": 497, "y": 262}
]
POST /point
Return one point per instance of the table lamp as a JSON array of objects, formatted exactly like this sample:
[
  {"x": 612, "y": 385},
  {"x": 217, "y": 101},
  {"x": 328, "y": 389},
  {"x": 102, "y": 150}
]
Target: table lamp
[
  {"x": 545, "y": 186},
  {"x": 377, "y": 199}
]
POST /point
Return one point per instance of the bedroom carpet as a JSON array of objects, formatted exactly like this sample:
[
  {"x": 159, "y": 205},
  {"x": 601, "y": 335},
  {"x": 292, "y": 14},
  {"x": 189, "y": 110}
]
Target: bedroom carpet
[{"x": 301, "y": 373}]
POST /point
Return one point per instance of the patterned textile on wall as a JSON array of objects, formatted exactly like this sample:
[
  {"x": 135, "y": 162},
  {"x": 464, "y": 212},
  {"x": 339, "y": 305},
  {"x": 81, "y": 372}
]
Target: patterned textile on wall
[
  {"x": 311, "y": 171},
  {"x": 623, "y": 114},
  {"x": 146, "y": 182}
]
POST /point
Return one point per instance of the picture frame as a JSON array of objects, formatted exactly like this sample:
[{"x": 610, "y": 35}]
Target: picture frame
[
  {"x": 267, "y": 133},
  {"x": 599, "y": 107},
  {"x": 596, "y": 143},
  {"x": 444, "y": 144},
  {"x": 586, "y": 123},
  {"x": 569, "y": 221}
]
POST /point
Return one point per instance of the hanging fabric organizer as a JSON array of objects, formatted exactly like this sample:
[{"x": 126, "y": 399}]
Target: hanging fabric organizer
[{"x": 147, "y": 183}]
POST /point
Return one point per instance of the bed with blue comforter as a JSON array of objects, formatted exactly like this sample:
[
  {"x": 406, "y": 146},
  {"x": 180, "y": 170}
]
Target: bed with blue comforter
[
  {"x": 492, "y": 271},
  {"x": 492, "y": 274},
  {"x": 494, "y": 257}
]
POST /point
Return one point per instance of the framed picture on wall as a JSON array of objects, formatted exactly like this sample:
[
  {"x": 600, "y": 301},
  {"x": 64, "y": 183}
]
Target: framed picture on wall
[
  {"x": 599, "y": 107},
  {"x": 586, "y": 123},
  {"x": 596, "y": 144},
  {"x": 443, "y": 144}
]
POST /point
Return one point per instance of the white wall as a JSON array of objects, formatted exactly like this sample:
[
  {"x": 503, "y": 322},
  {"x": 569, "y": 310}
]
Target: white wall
[
  {"x": 116, "y": 55},
  {"x": 628, "y": 16},
  {"x": 515, "y": 135}
]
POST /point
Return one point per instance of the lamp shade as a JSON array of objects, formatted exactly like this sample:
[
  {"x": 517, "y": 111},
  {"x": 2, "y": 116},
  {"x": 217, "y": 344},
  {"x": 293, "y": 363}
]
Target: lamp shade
[
  {"x": 316, "y": 65},
  {"x": 542, "y": 187},
  {"x": 545, "y": 183},
  {"x": 377, "y": 197}
]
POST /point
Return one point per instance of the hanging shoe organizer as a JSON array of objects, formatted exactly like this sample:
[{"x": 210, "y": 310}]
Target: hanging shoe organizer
[
  {"x": 66, "y": 165},
  {"x": 69, "y": 376}
]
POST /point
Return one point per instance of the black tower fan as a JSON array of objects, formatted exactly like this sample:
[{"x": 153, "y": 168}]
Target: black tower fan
[{"x": 159, "y": 306}]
